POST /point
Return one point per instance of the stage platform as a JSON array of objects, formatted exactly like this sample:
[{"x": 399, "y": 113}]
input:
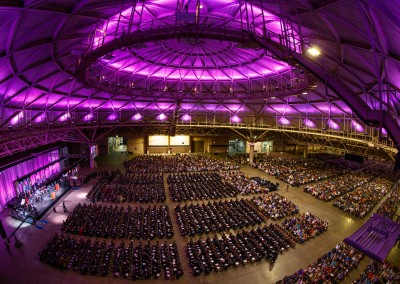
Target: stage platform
[{"x": 20, "y": 212}]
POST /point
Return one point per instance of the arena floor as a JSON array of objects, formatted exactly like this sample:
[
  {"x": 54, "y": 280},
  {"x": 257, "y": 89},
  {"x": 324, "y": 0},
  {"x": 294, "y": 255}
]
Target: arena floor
[{"x": 23, "y": 265}]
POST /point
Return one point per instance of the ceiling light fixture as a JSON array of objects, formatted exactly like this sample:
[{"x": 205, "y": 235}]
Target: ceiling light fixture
[{"x": 313, "y": 51}]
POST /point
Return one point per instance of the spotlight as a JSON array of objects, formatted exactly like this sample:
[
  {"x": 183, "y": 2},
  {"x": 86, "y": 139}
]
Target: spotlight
[{"x": 313, "y": 51}]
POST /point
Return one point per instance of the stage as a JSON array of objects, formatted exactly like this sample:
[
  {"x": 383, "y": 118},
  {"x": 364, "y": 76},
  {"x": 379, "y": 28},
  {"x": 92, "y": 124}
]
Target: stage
[{"x": 31, "y": 214}]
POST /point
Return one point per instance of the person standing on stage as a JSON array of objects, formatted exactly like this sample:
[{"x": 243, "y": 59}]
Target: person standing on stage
[{"x": 65, "y": 208}]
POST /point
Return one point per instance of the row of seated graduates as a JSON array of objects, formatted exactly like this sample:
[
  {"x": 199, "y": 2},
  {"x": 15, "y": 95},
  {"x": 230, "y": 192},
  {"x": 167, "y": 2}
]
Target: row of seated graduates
[
  {"x": 199, "y": 186},
  {"x": 117, "y": 222},
  {"x": 389, "y": 207},
  {"x": 220, "y": 254},
  {"x": 360, "y": 201},
  {"x": 172, "y": 164},
  {"x": 129, "y": 187},
  {"x": 305, "y": 226},
  {"x": 103, "y": 258},
  {"x": 299, "y": 171},
  {"x": 275, "y": 206},
  {"x": 329, "y": 189},
  {"x": 330, "y": 268},
  {"x": 93, "y": 175},
  {"x": 199, "y": 219},
  {"x": 375, "y": 272},
  {"x": 242, "y": 182}
]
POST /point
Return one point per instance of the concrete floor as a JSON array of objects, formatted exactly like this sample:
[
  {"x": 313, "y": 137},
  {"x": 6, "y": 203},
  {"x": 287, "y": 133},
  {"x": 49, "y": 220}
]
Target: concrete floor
[{"x": 23, "y": 265}]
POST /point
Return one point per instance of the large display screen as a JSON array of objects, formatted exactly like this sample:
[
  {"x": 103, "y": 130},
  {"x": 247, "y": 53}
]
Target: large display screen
[
  {"x": 179, "y": 140},
  {"x": 158, "y": 140}
]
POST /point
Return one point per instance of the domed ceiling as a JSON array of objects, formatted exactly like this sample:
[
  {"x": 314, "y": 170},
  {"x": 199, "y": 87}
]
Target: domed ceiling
[{"x": 86, "y": 64}]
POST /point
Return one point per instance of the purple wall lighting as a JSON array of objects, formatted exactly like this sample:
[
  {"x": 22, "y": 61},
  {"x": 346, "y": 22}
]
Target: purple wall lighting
[
  {"x": 16, "y": 118},
  {"x": 186, "y": 117},
  {"x": 65, "y": 117},
  {"x": 235, "y": 119},
  {"x": 162, "y": 117},
  {"x": 88, "y": 117},
  {"x": 356, "y": 126},
  {"x": 11, "y": 174},
  {"x": 112, "y": 117},
  {"x": 309, "y": 123},
  {"x": 284, "y": 121},
  {"x": 137, "y": 116},
  {"x": 384, "y": 132},
  {"x": 333, "y": 125}
]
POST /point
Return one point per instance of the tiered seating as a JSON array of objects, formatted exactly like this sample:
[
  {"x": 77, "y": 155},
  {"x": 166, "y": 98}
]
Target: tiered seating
[
  {"x": 330, "y": 268},
  {"x": 119, "y": 223},
  {"x": 198, "y": 219},
  {"x": 331, "y": 188},
  {"x": 245, "y": 247},
  {"x": 242, "y": 182},
  {"x": 101, "y": 258},
  {"x": 305, "y": 227},
  {"x": 299, "y": 171},
  {"x": 198, "y": 186},
  {"x": 130, "y": 187},
  {"x": 390, "y": 205},
  {"x": 275, "y": 206},
  {"x": 376, "y": 272},
  {"x": 360, "y": 201},
  {"x": 176, "y": 164}
]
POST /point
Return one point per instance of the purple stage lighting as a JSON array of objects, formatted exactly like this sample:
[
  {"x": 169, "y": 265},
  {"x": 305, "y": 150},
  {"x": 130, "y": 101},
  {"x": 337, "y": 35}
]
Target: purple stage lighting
[
  {"x": 137, "y": 116},
  {"x": 186, "y": 117},
  {"x": 309, "y": 123},
  {"x": 358, "y": 127},
  {"x": 333, "y": 125},
  {"x": 284, "y": 121},
  {"x": 88, "y": 117},
  {"x": 112, "y": 116},
  {"x": 65, "y": 117},
  {"x": 235, "y": 119},
  {"x": 162, "y": 117}
]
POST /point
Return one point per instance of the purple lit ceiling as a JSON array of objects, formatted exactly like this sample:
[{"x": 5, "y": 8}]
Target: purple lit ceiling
[{"x": 215, "y": 77}]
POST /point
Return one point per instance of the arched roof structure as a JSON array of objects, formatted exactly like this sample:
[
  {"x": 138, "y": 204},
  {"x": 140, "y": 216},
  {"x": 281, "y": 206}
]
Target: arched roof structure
[{"x": 80, "y": 70}]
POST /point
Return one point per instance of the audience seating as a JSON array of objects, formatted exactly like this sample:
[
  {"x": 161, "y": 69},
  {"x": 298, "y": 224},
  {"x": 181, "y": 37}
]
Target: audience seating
[
  {"x": 330, "y": 268},
  {"x": 102, "y": 258},
  {"x": 275, "y": 206},
  {"x": 199, "y": 219},
  {"x": 231, "y": 251},
  {"x": 375, "y": 272},
  {"x": 305, "y": 226},
  {"x": 119, "y": 223},
  {"x": 118, "y": 188},
  {"x": 199, "y": 186},
  {"x": 360, "y": 201}
]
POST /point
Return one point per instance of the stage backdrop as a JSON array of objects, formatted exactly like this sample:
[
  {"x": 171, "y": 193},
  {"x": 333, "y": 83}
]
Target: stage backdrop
[{"x": 9, "y": 175}]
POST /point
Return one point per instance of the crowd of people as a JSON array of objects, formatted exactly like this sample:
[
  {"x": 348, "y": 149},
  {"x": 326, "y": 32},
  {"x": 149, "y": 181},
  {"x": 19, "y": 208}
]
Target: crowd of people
[
  {"x": 119, "y": 223},
  {"x": 230, "y": 251},
  {"x": 389, "y": 207},
  {"x": 213, "y": 217},
  {"x": 305, "y": 226},
  {"x": 174, "y": 164},
  {"x": 93, "y": 175},
  {"x": 329, "y": 189},
  {"x": 130, "y": 187},
  {"x": 102, "y": 258},
  {"x": 299, "y": 171},
  {"x": 242, "y": 182},
  {"x": 199, "y": 186},
  {"x": 275, "y": 206},
  {"x": 360, "y": 201},
  {"x": 330, "y": 268},
  {"x": 375, "y": 272}
]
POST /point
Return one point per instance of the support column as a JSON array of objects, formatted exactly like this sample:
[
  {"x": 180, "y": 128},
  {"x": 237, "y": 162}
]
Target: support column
[
  {"x": 305, "y": 151},
  {"x": 251, "y": 155}
]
